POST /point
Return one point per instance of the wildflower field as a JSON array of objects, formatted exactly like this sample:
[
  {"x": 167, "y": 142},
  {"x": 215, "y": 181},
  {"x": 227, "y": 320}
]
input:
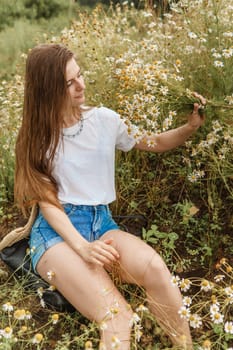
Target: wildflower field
[{"x": 145, "y": 67}]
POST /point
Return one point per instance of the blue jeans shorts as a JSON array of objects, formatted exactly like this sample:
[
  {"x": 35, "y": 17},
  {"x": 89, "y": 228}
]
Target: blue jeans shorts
[{"x": 90, "y": 221}]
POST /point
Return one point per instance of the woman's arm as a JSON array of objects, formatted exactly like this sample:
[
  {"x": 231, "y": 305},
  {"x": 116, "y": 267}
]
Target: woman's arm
[
  {"x": 172, "y": 138},
  {"x": 96, "y": 252},
  {"x": 61, "y": 223}
]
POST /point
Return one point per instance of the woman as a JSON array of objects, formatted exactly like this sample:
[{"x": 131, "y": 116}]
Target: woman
[{"x": 65, "y": 163}]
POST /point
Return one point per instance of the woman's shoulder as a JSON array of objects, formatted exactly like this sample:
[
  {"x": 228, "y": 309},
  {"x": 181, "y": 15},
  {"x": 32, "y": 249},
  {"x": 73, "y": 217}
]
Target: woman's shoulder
[{"x": 101, "y": 112}]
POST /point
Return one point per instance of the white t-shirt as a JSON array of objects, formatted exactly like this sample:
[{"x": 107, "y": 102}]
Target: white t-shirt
[{"x": 84, "y": 166}]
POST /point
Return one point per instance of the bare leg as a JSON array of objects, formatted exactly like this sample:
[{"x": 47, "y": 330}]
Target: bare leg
[
  {"x": 140, "y": 264},
  {"x": 90, "y": 290}
]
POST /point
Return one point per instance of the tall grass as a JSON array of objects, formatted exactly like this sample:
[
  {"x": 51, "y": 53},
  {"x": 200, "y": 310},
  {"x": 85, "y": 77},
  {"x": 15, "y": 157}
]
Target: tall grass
[
  {"x": 146, "y": 68},
  {"x": 24, "y": 33}
]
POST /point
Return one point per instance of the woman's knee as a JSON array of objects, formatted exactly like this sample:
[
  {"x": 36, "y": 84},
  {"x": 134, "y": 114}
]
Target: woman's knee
[{"x": 156, "y": 272}]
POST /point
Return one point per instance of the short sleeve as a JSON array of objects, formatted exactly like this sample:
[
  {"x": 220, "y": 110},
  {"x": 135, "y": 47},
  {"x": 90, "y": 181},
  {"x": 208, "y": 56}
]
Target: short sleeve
[
  {"x": 124, "y": 140},
  {"x": 115, "y": 130}
]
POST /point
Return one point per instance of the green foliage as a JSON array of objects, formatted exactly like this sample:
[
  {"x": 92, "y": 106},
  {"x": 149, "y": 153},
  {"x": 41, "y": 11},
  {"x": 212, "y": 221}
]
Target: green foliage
[
  {"x": 139, "y": 73},
  {"x": 13, "y": 41},
  {"x": 36, "y": 9},
  {"x": 162, "y": 241},
  {"x": 24, "y": 34},
  {"x": 146, "y": 68},
  {"x": 12, "y": 10}
]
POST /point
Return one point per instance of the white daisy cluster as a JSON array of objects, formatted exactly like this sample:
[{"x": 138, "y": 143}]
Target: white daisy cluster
[{"x": 211, "y": 304}]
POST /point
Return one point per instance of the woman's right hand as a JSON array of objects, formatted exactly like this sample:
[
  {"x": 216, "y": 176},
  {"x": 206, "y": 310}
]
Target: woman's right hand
[{"x": 99, "y": 252}]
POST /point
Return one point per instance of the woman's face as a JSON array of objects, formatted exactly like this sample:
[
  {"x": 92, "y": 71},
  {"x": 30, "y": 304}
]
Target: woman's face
[{"x": 75, "y": 83}]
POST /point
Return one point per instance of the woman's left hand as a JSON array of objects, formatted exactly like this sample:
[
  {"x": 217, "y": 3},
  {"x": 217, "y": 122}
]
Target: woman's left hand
[{"x": 196, "y": 119}]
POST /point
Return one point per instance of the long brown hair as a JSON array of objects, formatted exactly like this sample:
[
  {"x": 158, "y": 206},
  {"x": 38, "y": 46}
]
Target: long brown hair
[{"x": 45, "y": 99}]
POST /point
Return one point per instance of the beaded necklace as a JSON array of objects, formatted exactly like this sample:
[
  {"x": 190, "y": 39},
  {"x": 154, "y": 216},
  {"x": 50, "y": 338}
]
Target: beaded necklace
[{"x": 78, "y": 132}]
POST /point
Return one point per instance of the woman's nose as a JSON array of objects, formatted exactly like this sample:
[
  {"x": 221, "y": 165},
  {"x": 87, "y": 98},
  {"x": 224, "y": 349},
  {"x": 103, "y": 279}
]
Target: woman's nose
[{"x": 79, "y": 84}]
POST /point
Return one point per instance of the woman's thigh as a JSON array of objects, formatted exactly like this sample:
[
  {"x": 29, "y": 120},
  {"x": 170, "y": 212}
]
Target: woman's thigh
[
  {"x": 135, "y": 256},
  {"x": 88, "y": 288}
]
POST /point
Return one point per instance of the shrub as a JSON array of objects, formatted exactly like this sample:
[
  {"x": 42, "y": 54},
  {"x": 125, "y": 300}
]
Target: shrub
[
  {"x": 146, "y": 68},
  {"x": 36, "y": 9}
]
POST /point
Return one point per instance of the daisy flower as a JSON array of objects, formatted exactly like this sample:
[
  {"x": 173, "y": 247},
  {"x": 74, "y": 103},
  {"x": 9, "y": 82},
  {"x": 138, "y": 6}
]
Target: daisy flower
[
  {"x": 38, "y": 337},
  {"x": 141, "y": 308},
  {"x": 218, "y": 64},
  {"x": 187, "y": 301},
  {"x": 55, "y": 318},
  {"x": 206, "y": 285},
  {"x": 214, "y": 308},
  {"x": 195, "y": 321},
  {"x": 219, "y": 278},
  {"x": 184, "y": 312},
  {"x": 134, "y": 320},
  {"x": 6, "y": 332},
  {"x": 185, "y": 284},
  {"x": 228, "y": 327},
  {"x": 175, "y": 280},
  {"x": 7, "y": 307},
  {"x": 216, "y": 317},
  {"x": 116, "y": 343}
]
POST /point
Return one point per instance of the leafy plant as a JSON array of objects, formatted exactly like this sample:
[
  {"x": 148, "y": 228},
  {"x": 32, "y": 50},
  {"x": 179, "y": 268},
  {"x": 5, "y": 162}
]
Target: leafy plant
[
  {"x": 164, "y": 242},
  {"x": 146, "y": 68}
]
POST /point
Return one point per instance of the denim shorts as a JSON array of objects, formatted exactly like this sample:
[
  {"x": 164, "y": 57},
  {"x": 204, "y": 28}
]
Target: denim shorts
[{"x": 90, "y": 221}]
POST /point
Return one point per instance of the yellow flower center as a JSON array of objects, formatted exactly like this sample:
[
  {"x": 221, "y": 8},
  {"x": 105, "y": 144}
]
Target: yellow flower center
[
  {"x": 55, "y": 317},
  {"x": 8, "y": 330},
  {"x": 39, "y": 337}
]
